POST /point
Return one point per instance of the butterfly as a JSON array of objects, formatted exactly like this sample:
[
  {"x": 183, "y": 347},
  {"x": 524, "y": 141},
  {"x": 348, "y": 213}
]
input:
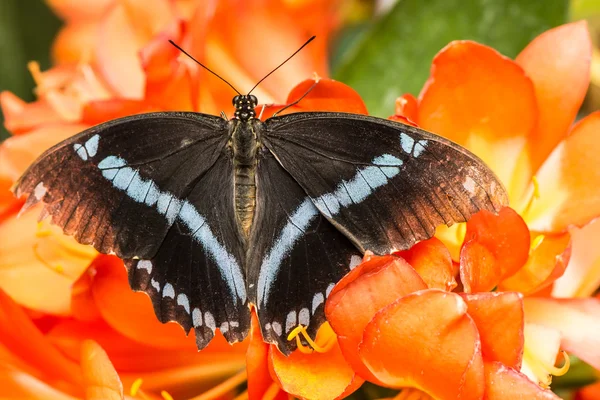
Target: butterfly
[{"x": 213, "y": 215}]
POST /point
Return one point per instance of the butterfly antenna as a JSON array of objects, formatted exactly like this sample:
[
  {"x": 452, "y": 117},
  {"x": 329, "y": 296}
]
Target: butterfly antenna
[
  {"x": 205, "y": 67},
  {"x": 286, "y": 60}
]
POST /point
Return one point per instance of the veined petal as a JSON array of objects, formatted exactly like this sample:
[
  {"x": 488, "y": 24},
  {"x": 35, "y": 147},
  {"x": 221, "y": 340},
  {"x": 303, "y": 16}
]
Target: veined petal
[
  {"x": 547, "y": 261},
  {"x": 428, "y": 341},
  {"x": 432, "y": 261},
  {"x": 502, "y": 382},
  {"x": 481, "y": 100},
  {"x": 499, "y": 319},
  {"x": 582, "y": 277},
  {"x": 569, "y": 181},
  {"x": 495, "y": 247},
  {"x": 578, "y": 320},
  {"x": 364, "y": 291},
  {"x": 314, "y": 376},
  {"x": 558, "y": 63},
  {"x": 99, "y": 376}
]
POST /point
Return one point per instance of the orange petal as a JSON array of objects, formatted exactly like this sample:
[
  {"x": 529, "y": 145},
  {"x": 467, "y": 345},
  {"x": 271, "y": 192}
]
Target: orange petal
[
  {"x": 129, "y": 312},
  {"x": 542, "y": 345},
  {"x": 96, "y": 112},
  {"x": 327, "y": 95},
  {"x": 437, "y": 341},
  {"x": 431, "y": 259},
  {"x": 582, "y": 277},
  {"x": 74, "y": 42},
  {"x": 590, "y": 392},
  {"x": 558, "y": 63},
  {"x": 83, "y": 305},
  {"x": 368, "y": 288},
  {"x": 78, "y": 9},
  {"x": 482, "y": 101},
  {"x": 499, "y": 319},
  {"x": 496, "y": 246},
  {"x": 569, "y": 181},
  {"x": 20, "y": 117},
  {"x": 578, "y": 320},
  {"x": 259, "y": 379},
  {"x": 25, "y": 341},
  {"x": 546, "y": 263},
  {"x": 17, "y": 384},
  {"x": 316, "y": 375},
  {"x": 502, "y": 382},
  {"x": 407, "y": 106},
  {"x": 39, "y": 265},
  {"x": 99, "y": 376}
]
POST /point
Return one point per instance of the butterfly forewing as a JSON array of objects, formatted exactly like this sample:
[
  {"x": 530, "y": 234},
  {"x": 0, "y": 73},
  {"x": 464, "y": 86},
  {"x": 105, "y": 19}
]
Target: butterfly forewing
[
  {"x": 385, "y": 185},
  {"x": 295, "y": 258},
  {"x": 153, "y": 190}
]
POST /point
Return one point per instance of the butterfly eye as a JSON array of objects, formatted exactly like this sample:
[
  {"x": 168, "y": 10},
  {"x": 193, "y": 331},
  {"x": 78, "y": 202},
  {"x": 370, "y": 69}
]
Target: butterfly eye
[
  {"x": 253, "y": 100},
  {"x": 236, "y": 100}
]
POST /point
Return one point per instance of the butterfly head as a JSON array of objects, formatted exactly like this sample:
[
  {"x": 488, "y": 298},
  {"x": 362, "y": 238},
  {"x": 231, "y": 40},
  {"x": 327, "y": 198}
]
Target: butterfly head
[{"x": 244, "y": 106}]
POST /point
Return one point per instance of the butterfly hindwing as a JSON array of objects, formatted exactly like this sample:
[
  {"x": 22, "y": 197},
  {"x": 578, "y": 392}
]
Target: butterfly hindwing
[
  {"x": 295, "y": 258},
  {"x": 385, "y": 184},
  {"x": 196, "y": 278},
  {"x": 153, "y": 190}
]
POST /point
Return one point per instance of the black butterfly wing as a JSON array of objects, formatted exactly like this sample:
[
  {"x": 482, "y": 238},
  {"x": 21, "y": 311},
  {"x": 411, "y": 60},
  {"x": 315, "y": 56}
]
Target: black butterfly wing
[
  {"x": 385, "y": 185},
  {"x": 295, "y": 256},
  {"x": 140, "y": 187}
]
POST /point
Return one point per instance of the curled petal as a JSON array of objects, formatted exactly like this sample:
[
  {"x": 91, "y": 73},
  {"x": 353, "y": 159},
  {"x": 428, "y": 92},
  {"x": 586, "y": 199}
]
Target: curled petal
[
  {"x": 327, "y": 95},
  {"x": 569, "y": 181},
  {"x": 496, "y": 246},
  {"x": 368, "y": 288},
  {"x": 547, "y": 261},
  {"x": 558, "y": 63},
  {"x": 99, "y": 376},
  {"x": 500, "y": 319},
  {"x": 20, "y": 117},
  {"x": 482, "y": 101},
  {"x": 432, "y": 261},
  {"x": 502, "y": 382},
  {"x": 316, "y": 375},
  {"x": 578, "y": 320},
  {"x": 426, "y": 340},
  {"x": 582, "y": 277},
  {"x": 407, "y": 106}
]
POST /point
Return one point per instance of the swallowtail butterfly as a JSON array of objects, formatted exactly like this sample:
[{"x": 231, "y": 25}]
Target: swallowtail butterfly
[{"x": 212, "y": 215}]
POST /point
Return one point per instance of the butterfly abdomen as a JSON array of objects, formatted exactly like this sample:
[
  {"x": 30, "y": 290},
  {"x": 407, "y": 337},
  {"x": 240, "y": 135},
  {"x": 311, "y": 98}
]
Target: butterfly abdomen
[{"x": 244, "y": 145}]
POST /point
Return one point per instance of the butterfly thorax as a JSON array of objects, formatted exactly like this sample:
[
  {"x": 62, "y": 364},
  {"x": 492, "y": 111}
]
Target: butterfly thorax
[{"x": 244, "y": 143}]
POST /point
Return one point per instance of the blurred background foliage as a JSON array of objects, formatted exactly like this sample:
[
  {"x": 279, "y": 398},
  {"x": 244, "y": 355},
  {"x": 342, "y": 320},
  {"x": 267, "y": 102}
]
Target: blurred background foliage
[{"x": 384, "y": 49}]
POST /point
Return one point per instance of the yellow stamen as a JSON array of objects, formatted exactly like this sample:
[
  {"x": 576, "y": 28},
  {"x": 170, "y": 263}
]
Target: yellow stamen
[
  {"x": 135, "y": 386},
  {"x": 57, "y": 268},
  {"x": 41, "y": 232},
  {"x": 300, "y": 329},
  {"x": 560, "y": 371},
  {"x": 224, "y": 387},
  {"x": 35, "y": 71},
  {"x": 534, "y": 196},
  {"x": 536, "y": 243},
  {"x": 165, "y": 395}
]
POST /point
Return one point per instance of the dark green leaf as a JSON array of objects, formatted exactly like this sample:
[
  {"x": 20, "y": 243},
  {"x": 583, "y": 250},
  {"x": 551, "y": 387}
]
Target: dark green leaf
[{"x": 394, "y": 57}]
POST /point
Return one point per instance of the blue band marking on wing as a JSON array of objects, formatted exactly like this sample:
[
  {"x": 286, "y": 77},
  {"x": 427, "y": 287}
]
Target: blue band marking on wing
[
  {"x": 419, "y": 147},
  {"x": 407, "y": 143},
  {"x": 88, "y": 149},
  {"x": 125, "y": 178},
  {"x": 291, "y": 232},
  {"x": 353, "y": 191},
  {"x": 360, "y": 186}
]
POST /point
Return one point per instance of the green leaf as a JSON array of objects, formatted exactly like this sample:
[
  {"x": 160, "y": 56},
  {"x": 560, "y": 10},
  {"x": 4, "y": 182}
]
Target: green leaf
[
  {"x": 395, "y": 56},
  {"x": 27, "y": 28}
]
